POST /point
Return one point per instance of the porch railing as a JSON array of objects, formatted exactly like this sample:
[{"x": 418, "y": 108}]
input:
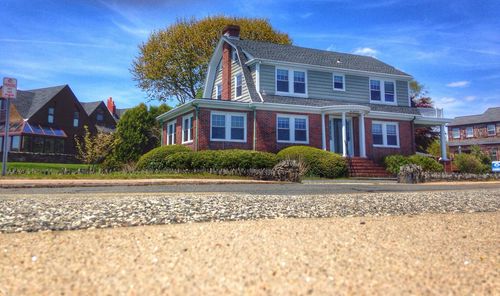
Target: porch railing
[{"x": 431, "y": 112}]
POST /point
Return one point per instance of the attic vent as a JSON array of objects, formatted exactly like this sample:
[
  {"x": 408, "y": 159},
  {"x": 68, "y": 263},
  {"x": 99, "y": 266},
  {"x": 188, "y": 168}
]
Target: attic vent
[{"x": 339, "y": 61}]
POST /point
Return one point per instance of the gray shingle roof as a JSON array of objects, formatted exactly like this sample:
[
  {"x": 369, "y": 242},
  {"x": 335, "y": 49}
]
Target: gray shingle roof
[
  {"x": 29, "y": 102},
  {"x": 310, "y": 56},
  {"x": 90, "y": 106},
  {"x": 328, "y": 102},
  {"x": 490, "y": 115}
]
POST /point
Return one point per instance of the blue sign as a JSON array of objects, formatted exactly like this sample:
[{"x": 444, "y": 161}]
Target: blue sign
[{"x": 495, "y": 166}]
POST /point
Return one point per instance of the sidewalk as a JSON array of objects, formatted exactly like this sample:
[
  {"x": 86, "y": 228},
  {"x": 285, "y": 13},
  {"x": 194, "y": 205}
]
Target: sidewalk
[{"x": 43, "y": 183}]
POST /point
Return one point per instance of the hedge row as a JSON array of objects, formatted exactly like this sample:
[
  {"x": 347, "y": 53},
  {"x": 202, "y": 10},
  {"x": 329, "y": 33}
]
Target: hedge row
[
  {"x": 318, "y": 162},
  {"x": 394, "y": 162}
]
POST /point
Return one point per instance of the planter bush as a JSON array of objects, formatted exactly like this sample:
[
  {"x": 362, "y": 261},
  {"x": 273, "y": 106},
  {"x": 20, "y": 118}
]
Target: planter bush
[
  {"x": 469, "y": 163},
  {"x": 394, "y": 162},
  {"x": 156, "y": 159},
  {"x": 320, "y": 163},
  {"x": 179, "y": 161},
  {"x": 426, "y": 163},
  {"x": 233, "y": 159}
]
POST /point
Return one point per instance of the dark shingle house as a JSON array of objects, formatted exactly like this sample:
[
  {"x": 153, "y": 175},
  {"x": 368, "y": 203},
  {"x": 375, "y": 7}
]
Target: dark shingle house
[{"x": 45, "y": 122}]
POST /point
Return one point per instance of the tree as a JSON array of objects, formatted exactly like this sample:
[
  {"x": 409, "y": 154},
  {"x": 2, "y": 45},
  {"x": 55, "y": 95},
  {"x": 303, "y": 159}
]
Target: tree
[
  {"x": 424, "y": 136},
  {"x": 137, "y": 132},
  {"x": 93, "y": 149},
  {"x": 435, "y": 149},
  {"x": 174, "y": 61}
]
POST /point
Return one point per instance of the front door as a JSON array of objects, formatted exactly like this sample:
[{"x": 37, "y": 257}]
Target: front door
[{"x": 336, "y": 136}]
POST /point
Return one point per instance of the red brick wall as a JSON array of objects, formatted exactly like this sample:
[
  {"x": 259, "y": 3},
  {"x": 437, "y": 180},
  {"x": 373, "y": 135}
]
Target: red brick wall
[
  {"x": 226, "y": 72},
  {"x": 266, "y": 131},
  {"x": 406, "y": 135},
  {"x": 204, "y": 142}
]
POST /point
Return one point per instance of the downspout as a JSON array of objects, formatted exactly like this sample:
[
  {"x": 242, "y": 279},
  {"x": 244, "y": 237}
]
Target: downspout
[
  {"x": 413, "y": 143},
  {"x": 254, "y": 127},
  {"x": 196, "y": 114}
]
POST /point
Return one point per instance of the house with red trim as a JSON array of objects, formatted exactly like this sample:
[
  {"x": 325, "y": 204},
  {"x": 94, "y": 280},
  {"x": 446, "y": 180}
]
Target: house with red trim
[{"x": 264, "y": 96}]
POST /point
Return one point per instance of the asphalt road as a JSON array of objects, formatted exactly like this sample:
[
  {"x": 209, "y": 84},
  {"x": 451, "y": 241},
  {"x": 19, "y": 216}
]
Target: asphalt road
[{"x": 306, "y": 188}]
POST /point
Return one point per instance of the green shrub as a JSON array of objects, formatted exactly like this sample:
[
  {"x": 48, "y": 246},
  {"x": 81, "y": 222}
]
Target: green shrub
[
  {"x": 233, "y": 159},
  {"x": 320, "y": 163},
  {"x": 394, "y": 162},
  {"x": 110, "y": 163},
  {"x": 179, "y": 161},
  {"x": 156, "y": 158},
  {"x": 469, "y": 163},
  {"x": 427, "y": 164}
]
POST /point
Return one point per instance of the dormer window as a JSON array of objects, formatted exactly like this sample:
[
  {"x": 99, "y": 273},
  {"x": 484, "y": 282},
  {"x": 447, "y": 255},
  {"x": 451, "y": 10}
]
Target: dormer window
[
  {"x": 99, "y": 116},
  {"x": 283, "y": 85},
  {"x": 382, "y": 91},
  {"x": 338, "y": 81},
  {"x": 50, "y": 115}
]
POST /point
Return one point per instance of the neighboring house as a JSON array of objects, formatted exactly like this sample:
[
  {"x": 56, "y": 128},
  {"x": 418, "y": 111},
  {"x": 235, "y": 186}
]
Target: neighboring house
[
  {"x": 482, "y": 130},
  {"x": 45, "y": 121},
  {"x": 266, "y": 96}
]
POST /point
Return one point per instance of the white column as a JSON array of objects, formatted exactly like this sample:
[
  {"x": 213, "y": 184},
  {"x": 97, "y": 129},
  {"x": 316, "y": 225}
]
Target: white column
[
  {"x": 442, "y": 137},
  {"x": 344, "y": 136},
  {"x": 323, "y": 131},
  {"x": 362, "y": 135}
]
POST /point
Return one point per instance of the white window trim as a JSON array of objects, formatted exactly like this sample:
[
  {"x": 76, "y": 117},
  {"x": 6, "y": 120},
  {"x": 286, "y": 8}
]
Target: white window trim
[
  {"x": 382, "y": 91},
  {"x": 292, "y": 128},
  {"x": 467, "y": 132},
  {"x": 217, "y": 92},
  {"x": 458, "y": 134},
  {"x": 236, "y": 85},
  {"x": 190, "y": 136},
  {"x": 333, "y": 81},
  {"x": 174, "y": 123},
  {"x": 494, "y": 129},
  {"x": 384, "y": 134},
  {"x": 290, "y": 82},
  {"x": 227, "y": 126}
]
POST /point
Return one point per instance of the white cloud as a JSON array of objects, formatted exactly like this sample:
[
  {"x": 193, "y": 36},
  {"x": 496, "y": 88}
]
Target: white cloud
[
  {"x": 470, "y": 98},
  {"x": 366, "y": 51},
  {"x": 331, "y": 47},
  {"x": 306, "y": 15},
  {"x": 447, "y": 100},
  {"x": 462, "y": 83}
]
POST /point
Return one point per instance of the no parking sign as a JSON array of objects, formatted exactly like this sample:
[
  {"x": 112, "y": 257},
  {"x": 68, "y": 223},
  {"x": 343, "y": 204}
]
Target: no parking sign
[{"x": 495, "y": 166}]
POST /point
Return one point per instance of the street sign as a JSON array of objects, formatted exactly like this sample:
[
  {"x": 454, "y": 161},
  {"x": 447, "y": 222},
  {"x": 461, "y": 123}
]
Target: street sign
[
  {"x": 495, "y": 166},
  {"x": 9, "y": 88}
]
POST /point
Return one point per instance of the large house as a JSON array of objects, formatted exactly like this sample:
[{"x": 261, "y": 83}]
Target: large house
[
  {"x": 44, "y": 123},
  {"x": 482, "y": 130},
  {"x": 265, "y": 97}
]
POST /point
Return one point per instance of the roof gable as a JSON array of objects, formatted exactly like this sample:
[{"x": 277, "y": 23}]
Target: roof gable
[{"x": 29, "y": 102}]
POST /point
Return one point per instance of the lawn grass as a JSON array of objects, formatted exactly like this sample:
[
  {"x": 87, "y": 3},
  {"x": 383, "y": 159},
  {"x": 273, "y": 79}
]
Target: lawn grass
[{"x": 44, "y": 166}]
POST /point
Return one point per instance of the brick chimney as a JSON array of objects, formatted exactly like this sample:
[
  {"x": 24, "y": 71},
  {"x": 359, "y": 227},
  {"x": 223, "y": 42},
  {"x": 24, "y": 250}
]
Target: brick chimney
[
  {"x": 111, "y": 106},
  {"x": 231, "y": 31}
]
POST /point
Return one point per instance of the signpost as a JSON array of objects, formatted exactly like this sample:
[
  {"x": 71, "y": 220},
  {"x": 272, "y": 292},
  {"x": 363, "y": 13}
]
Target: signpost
[
  {"x": 495, "y": 166},
  {"x": 9, "y": 91}
]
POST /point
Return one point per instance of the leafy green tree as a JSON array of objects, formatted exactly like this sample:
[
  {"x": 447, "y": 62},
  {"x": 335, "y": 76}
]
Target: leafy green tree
[
  {"x": 137, "y": 132},
  {"x": 93, "y": 149},
  {"x": 435, "y": 149},
  {"x": 174, "y": 61}
]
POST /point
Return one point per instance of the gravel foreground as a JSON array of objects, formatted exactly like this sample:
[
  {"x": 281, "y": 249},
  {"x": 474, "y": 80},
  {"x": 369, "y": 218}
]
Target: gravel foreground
[
  {"x": 79, "y": 211},
  {"x": 428, "y": 254}
]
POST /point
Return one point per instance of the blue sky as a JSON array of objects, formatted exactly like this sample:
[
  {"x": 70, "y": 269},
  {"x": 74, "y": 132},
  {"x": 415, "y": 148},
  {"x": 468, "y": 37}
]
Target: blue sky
[{"x": 452, "y": 47}]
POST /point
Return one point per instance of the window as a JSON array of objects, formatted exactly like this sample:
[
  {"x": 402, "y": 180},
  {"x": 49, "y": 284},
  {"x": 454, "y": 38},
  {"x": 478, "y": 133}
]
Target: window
[
  {"x": 491, "y": 129},
  {"x": 238, "y": 83},
  {"x": 218, "y": 91},
  {"x": 338, "y": 81},
  {"x": 99, "y": 116},
  {"x": 455, "y": 133},
  {"x": 282, "y": 80},
  {"x": 76, "y": 119},
  {"x": 292, "y": 128},
  {"x": 50, "y": 116},
  {"x": 15, "y": 143},
  {"x": 171, "y": 133},
  {"x": 49, "y": 145},
  {"x": 383, "y": 91},
  {"x": 469, "y": 132},
  {"x": 284, "y": 86},
  {"x": 59, "y": 146},
  {"x": 385, "y": 134},
  {"x": 228, "y": 126},
  {"x": 299, "y": 82},
  {"x": 187, "y": 128}
]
